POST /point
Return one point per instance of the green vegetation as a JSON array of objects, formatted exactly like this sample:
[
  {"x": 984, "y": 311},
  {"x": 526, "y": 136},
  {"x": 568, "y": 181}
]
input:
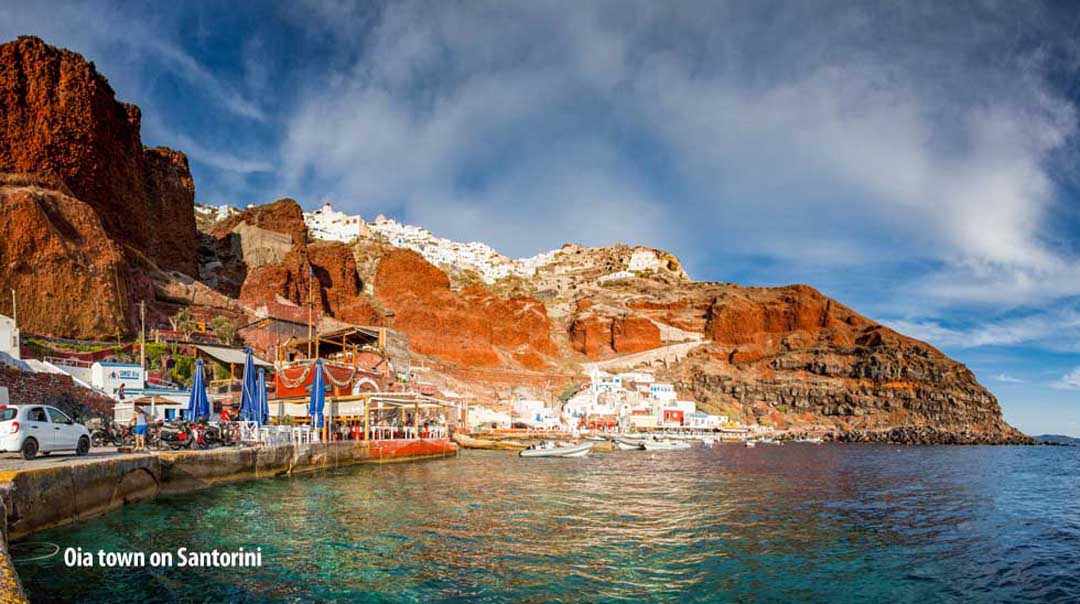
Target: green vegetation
[
  {"x": 569, "y": 392},
  {"x": 184, "y": 322},
  {"x": 154, "y": 353},
  {"x": 221, "y": 372},
  {"x": 183, "y": 369},
  {"x": 224, "y": 328}
]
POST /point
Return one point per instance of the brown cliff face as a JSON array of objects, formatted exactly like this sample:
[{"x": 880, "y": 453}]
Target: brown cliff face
[
  {"x": 793, "y": 358},
  {"x": 60, "y": 116},
  {"x": 283, "y": 216},
  {"x": 473, "y": 328},
  {"x": 597, "y": 336},
  {"x": 71, "y": 279},
  {"x": 170, "y": 202}
]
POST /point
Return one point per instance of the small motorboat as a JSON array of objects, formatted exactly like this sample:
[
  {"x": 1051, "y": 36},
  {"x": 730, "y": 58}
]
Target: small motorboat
[
  {"x": 665, "y": 445},
  {"x": 550, "y": 449},
  {"x": 815, "y": 440},
  {"x": 628, "y": 444},
  {"x": 750, "y": 444}
]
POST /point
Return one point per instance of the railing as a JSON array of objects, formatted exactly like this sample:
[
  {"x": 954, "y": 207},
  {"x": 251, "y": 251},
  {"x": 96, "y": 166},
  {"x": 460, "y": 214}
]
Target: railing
[
  {"x": 68, "y": 362},
  {"x": 407, "y": 432}
]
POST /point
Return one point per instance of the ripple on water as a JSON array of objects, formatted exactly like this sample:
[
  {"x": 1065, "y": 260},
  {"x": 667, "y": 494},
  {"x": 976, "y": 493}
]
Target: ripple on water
[{"x": 728, "y": 524}]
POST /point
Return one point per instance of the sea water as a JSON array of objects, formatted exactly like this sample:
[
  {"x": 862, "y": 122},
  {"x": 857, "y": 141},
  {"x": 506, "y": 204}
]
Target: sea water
[{"x": 793, "y": 523}]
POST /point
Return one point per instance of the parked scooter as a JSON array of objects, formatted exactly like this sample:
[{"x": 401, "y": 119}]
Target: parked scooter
[
  {"x": 111, "y": 433},
  {"x": 176, "y": 435}
]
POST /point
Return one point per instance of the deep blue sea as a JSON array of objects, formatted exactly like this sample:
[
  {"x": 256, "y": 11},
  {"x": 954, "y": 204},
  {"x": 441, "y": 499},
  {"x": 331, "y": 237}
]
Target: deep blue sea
[{"x": 797, "y": 523}]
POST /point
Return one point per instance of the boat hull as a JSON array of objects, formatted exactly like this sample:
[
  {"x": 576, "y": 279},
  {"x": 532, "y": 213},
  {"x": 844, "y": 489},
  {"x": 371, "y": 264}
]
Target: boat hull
[
  {"x": 666, "y": 446},
  {"x": 575, "y": 451}
]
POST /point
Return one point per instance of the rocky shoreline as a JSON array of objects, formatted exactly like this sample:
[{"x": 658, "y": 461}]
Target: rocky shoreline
[{"x": 928, "y": 435}]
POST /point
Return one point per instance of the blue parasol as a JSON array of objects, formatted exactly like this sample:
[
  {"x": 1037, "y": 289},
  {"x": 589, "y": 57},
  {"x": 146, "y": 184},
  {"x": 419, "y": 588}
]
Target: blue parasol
[
  {"x": 249, "y": 395},
  {"x": 264, "y": 402},
  {"x": 318, "y": 396},
  {"x": 198, "y": 403}
]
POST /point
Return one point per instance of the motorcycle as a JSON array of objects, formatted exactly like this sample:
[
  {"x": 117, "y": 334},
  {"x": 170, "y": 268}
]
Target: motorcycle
[
  {"x": 176, "y": 435},
  {"x": 112, "y": 433}
]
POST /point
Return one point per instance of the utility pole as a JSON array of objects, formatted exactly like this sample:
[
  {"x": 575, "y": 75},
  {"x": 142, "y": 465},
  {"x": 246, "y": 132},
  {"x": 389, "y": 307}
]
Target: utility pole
[
  {"x": 310, "y": 337},
  {"x": 142, "y": 338},
  {"x": 14, "y": 309}
]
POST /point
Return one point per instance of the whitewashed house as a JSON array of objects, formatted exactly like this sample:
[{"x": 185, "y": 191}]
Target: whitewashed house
[
  {"x": 108, "y": 377},
  {"x": 9, "y": 337},
  {"x": 487, "y": 418},
  {"x": 704, "y": 421},
  {"x": 662, "y": 392},
  {"x": 535, "y": 414}
]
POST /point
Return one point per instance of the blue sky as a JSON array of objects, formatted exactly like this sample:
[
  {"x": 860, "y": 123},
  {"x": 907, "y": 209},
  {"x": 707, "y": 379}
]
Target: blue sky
[{"x": 915, "y": 160}]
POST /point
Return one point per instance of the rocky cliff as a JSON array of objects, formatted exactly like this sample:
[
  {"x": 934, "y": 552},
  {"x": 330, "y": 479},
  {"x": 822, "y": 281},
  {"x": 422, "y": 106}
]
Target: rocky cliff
[
  {"x": 61, "y": 117},
  {"x": 83, "y": 201}
]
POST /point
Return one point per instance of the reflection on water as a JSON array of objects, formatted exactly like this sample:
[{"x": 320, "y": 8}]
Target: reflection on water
[{"x": 729, "y": 524}]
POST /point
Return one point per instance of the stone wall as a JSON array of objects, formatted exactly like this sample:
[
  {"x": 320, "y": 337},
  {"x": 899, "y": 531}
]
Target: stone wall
[{"x": 28, "y": 388}]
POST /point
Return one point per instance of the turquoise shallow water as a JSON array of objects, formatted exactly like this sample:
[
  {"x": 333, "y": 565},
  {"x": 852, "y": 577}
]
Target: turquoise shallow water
[{"x": 798, "y": 523}]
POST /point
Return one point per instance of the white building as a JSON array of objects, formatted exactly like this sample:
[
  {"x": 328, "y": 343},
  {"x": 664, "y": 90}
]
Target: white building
[
  {"x": 636, "y": 377},
  {"x": 9, "y": 337},
  {"x": 584, "y": 405},
  {"x": 662, "y": 392},
  {"x": 603, "y": 381},
  {"x": 705, "y": 421},
  {"x": 328, "y": 224},
  {"x": 535, "y": 414},
  {"x": 108, "y": 377},
  {"x": 687, "y": 407},
  {"x": 488, "y": 418},
  {"x": 616, "y": 276}
]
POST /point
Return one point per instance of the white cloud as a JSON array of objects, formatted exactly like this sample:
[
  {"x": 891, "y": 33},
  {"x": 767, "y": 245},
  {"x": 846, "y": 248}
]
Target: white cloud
[
  {"x": 1008, "y": 379},
  {"x": 1069, "y": 381},
  {"x": 219, "y": 159},
  {"x": 867, "y": 135},
  {"x": 1057, "y": 330}
]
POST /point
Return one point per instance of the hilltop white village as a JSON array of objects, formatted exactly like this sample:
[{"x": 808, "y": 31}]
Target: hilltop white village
[{"x": 608, "y": 402}]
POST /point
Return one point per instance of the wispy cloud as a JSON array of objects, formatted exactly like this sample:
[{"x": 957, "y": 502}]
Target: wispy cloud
[
  {"x": 827, "y": 145},
  {"x": 1069, "y": 381},
  {"x": 220, "y": 159},
  {"x": 200, "y": 77},
  {"x": 1008, "y": 379},
  {"x": 1054, "y": 329}
]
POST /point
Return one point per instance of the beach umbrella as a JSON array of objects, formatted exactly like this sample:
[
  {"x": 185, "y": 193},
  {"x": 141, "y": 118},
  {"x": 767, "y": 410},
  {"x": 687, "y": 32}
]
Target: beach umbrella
[
  {"x": 198, "y": 403},
  {"x": 264, "y": 402},
  {"x": 318, "y": 396},
  {"x": 250, "y": 406}
]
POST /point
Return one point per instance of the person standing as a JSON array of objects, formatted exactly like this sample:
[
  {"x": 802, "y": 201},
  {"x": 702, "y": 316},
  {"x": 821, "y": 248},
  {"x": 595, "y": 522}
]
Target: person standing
[{"x": 140, "y": 422}]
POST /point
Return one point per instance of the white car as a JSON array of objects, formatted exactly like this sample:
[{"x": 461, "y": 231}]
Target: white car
[{"x": 30, "y": 429}]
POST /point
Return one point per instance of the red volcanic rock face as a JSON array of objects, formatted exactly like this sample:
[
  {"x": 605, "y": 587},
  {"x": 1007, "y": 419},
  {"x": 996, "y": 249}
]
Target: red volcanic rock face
[
  {"x": 470, "y": 328},
  {"x": 60, "y": 116},
  {"x": 282, "y": 216},
  {"x": 591, "y": 335},
  {"x": 597, "y": 336},
  {"x": 765, "y": 316},
  {"x": 70, "y": 277},
  {"x": 170, "y": 200},
  {"x": 327, "y": 269},
  {"x": 634, "y": 334}
]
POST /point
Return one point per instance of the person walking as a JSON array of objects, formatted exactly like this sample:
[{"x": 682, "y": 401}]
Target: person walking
[{"x": 141, "y": 428}]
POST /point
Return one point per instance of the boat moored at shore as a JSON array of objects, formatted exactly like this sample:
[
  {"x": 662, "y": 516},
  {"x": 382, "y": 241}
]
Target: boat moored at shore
[{"x": 549, "y": 449}]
